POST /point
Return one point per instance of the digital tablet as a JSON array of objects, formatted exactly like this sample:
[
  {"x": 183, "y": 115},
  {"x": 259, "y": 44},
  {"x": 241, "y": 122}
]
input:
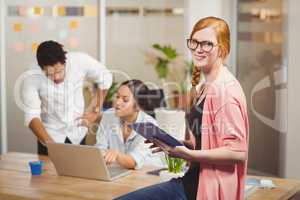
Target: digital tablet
[{"x": 151, "y": 131}]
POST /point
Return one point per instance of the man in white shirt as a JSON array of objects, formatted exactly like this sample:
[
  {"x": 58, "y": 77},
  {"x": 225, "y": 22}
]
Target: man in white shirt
[{"x": 53, "y": 94}]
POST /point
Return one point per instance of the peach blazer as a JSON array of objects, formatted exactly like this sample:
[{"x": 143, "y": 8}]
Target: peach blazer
[{"x": 224, "y": 124}]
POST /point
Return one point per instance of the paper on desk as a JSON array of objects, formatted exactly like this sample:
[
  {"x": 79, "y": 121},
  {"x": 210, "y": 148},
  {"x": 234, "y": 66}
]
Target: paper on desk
[{"x": 262, "y": 183}]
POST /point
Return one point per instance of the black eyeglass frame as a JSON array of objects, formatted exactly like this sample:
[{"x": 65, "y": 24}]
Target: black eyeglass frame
[{"x": 202, "y": 43}]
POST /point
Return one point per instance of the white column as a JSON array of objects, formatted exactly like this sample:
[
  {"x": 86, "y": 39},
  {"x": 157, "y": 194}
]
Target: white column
[
  {"x": 102, "y": 30},
  {"x": 3, "y": 134}
]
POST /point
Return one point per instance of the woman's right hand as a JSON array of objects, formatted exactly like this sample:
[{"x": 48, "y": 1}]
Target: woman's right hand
[
  {"x": 153, "y": 147},
  {"x": 177, "y": 152},
  {"x": 111, "y": 156}
]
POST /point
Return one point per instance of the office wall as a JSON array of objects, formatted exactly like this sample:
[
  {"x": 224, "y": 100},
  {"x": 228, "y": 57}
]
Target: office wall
[
  {"x": 130, "y": 36},
  {"x": 292, "y": 148},
  {"x": 2, "y": 118},
  {"x": 0, "y": 131},
  {"x": 0, "y": 82}
]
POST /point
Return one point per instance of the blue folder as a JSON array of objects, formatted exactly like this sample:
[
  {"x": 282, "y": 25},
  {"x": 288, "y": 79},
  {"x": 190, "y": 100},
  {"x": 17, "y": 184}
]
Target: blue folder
[{"x": 151, "y": 131}]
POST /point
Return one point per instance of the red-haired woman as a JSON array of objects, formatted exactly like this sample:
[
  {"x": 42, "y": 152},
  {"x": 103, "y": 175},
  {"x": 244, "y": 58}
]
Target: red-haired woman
[{"x": 218, "y": 126}]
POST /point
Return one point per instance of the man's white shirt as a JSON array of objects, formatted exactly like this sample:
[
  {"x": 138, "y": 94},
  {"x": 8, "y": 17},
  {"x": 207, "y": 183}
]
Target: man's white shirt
[{"x": 59, "y": 106}]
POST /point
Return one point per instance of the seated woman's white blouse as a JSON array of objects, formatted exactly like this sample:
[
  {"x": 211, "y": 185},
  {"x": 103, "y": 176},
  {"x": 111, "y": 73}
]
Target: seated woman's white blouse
[{"x": 109, "y": 136}]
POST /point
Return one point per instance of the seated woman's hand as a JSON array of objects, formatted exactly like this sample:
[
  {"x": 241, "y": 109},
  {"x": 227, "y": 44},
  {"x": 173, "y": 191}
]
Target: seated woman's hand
[{"x": 111, "y": 156}]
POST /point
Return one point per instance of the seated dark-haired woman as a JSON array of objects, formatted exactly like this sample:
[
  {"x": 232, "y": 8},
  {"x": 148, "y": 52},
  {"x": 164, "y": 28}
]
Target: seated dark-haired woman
[{"x": 120, "y": 143}]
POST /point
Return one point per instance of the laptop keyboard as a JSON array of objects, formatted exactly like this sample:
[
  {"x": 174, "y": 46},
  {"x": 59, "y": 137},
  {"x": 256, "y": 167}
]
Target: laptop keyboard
[{"x": 116, "y": 170}]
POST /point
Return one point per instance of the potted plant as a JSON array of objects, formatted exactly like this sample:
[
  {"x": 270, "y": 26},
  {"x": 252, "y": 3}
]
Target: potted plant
[
  {"x": 175, "y": 169},
  {"x": 163, "y": 57},
  {"x": 170, "y": 64},
  {"x": 166, "y": 54}
]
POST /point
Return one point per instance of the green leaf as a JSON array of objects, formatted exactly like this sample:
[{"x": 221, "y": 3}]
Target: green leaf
[
  {"x": 157, "y": 46},
  {"x": 170, "y": 52},
  {"x": 162, "y": 68},
  {"x": 111, "y": 91},
  {"x": 175, "y": 165}
]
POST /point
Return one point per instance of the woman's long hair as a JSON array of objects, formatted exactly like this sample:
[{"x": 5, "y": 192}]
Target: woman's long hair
[
  {"x": 221, "y": 28},
  {"x": 140, "y": 93}
]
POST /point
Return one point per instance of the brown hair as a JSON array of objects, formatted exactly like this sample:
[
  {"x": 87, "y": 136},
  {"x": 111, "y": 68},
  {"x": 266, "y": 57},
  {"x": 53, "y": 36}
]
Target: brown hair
[
  {"x": 223, "y": 37},
  {"x": 222, "y": 31},
  {"x": 140, "y": 93}
]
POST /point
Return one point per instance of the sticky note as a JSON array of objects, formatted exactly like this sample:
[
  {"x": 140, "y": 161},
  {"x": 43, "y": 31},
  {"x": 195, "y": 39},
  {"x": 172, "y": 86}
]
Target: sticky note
[
  {"x": 73, "y": 24},
  {"x": 34, "y": 47},
  {"x": 19, "y": 47},
  {"x": 61, "y": 11},
  {"x": 73, "y": 42},
  {"x": 37, "y": 10},
  {"x": 18, "y": 27}
]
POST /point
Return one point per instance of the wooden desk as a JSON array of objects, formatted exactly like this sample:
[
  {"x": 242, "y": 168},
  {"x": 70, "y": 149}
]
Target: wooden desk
[
  {"x": 285, "y": 190},
  {"x": 17, "y": 183}
]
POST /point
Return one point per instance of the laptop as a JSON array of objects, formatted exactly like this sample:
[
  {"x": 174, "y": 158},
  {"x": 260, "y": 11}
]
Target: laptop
[{"x": 84, "y": 162}]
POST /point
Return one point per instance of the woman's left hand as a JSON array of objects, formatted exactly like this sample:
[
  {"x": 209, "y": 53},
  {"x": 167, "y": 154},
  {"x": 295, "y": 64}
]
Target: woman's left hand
[{"x": 177, "y": 152}]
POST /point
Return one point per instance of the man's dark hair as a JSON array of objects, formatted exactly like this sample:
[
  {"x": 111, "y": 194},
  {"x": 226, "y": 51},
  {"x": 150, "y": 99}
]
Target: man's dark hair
[{"x": 50, "y": 53}]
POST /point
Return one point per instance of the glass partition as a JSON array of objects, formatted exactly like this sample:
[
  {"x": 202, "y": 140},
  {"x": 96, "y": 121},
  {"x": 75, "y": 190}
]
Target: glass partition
[{"x": 262, "y": 73}]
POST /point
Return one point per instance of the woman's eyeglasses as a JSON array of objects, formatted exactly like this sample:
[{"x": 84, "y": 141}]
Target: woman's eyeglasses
[{"x": 205, "y": 46}]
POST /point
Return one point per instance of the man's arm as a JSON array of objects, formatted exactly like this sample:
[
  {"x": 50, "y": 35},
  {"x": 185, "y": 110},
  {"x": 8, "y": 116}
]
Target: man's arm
[
  {"x": 101, "y": 94},
  {"x": 103, "y": 78},
  {"x": 93, "y": 112},
  {"x": 32, "y": 106},
  {"x": 39, "y": 131}
]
